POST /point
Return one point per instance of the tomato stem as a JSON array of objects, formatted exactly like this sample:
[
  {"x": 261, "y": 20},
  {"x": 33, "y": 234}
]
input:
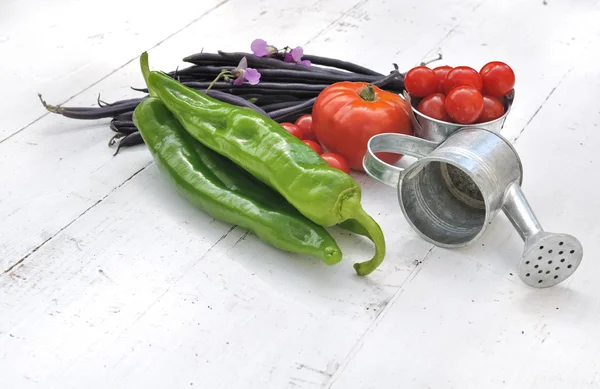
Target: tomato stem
[{"x": 368, "y": 93}]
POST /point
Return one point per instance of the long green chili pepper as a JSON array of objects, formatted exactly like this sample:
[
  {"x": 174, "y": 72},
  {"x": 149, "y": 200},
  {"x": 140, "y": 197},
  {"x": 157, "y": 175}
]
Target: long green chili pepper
[
  {"x": 323, "y": 194},
  {"x": 224, "y": 190}
]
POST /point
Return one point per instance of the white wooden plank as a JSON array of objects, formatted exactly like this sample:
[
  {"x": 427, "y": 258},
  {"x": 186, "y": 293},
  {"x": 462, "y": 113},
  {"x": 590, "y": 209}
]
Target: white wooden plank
[
  {"x": 68, "y": 167},
  {"x": 466, "y": 320},
  {"x": 62, "y": 47}
]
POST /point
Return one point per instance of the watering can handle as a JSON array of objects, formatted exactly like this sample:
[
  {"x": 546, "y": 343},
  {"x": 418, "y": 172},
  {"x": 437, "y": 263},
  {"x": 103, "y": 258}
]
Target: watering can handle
[{"x": 397, "y": 144}]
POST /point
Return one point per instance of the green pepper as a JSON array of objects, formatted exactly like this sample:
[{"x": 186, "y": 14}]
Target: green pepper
[
  {"x": 224, "y": 190},
  {"x": 261, "y": 146}
]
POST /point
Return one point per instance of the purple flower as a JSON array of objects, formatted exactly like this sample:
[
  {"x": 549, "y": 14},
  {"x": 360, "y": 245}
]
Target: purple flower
[
  {"x": 260, "y": 48},
  {"x": 252, "y": 76},
  {"x": 295, "y": 55},
  {"x": 243, "y": 73}
]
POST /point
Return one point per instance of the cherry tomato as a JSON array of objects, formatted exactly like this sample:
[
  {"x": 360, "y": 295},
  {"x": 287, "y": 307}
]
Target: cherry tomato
[
  {"x": 336, "y": 161},
  {"x": 433, "y": 106},
  {"x": 492, "y": 109},
  {"x": 441, "y": 72},
  {"x": 462, "y": 75},
  {"x": 305, "y": 124},
  {"x": 314, "y": 145},
  {"x": 420, "y": 81},
  {"x": 293, "y": 129},
  {"x": 464, "y": 104},
  {"x": 498, "y": 78}
]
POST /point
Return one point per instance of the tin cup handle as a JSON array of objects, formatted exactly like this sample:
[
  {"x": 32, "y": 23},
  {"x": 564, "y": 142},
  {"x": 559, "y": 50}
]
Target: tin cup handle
[{"x": 397, "y": 144}]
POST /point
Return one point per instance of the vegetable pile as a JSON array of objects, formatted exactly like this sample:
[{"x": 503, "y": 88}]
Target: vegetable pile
[
  {"x": 265, "y": 140},
  {"x": 461, "y": 94}
]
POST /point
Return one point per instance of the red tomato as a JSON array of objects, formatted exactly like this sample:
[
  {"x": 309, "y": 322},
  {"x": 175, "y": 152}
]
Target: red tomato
[
  {"x": 314, "y": 145},
  {"x": 347, "y": 114},
  {"x": 293, "y": 129},
  {"x": 498, "y": 78},
  {"x": 336, "y": 161},
  {"x": 441, "y": 72},
  {"x": 433, "y": 106},
  {"x": 420, "y": 81},
  {"x": 462, "y": 75},
  {"x": 305, "y": 124},
  {"x": 492, "y": 109},
  {"x": 464, "y": 104}
]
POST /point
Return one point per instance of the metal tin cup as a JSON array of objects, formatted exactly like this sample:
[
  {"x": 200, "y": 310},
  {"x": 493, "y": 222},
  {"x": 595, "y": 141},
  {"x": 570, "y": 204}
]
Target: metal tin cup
[
  {"x": 437, "y": 130},
  {"x": 450, "y": 195}
]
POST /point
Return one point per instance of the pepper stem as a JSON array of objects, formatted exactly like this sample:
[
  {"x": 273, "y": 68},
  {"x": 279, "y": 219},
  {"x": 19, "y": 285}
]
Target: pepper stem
[
  {"x": 368, "y": 93},
  {"x": 351, "y": 209},
  {"x": 353, "y": 226},
  {"x": 144, "y": 64}
]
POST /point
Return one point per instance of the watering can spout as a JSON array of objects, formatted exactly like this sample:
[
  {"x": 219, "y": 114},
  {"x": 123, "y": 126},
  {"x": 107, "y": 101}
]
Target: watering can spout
[{"x": 519, "y": 212}]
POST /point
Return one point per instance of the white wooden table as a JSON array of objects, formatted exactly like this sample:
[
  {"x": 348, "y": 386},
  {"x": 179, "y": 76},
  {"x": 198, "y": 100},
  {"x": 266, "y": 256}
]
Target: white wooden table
[{"x": 109, "y": 280}]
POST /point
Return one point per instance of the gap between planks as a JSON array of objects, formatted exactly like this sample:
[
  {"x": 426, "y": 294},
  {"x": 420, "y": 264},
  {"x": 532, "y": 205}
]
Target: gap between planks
[
  {"x": 20, "y": 261},
  {"x": 514, "y": 140},
  {"x": 387, "y": 306},
  {"x": 334, "y": 22},
  {"x": 452, "y": 30}
]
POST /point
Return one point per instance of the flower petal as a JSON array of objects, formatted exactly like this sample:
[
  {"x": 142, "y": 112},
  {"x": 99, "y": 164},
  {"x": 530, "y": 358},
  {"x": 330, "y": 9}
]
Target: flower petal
[
  {"x": 243, "y": 64},
  {"x": 288, "y": 58},
  {"x": 239, "y": 80},
  {"x": 252, "y": 76},
  {"x": 259, "y": 47},
  {"x": 305, "y": 62},
  {"x": 297, "y": 53}
]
